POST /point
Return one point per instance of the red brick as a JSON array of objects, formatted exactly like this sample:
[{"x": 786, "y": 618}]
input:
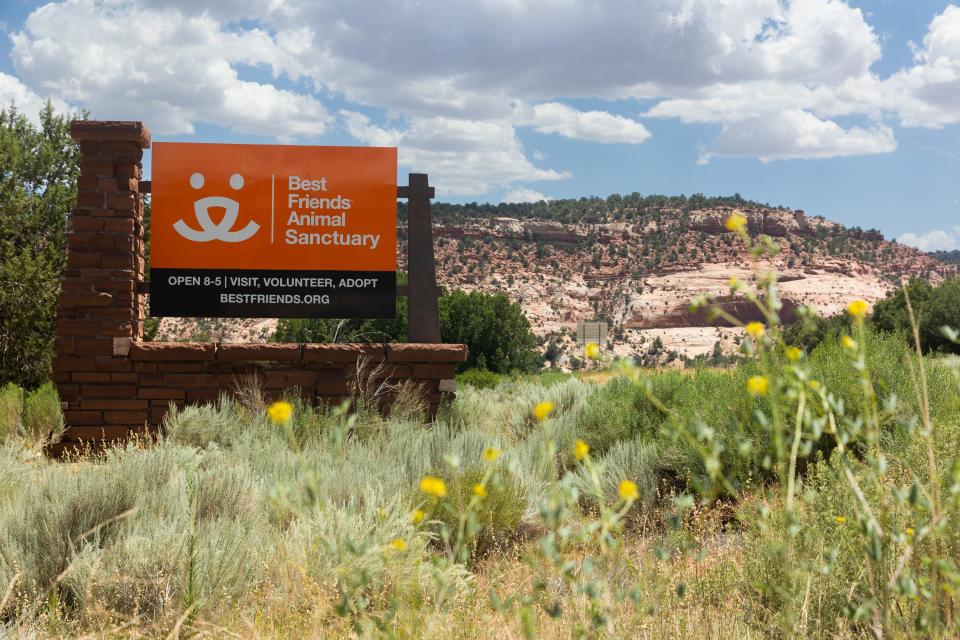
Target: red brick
[
  {"x": 90, "y": 200},
  {"x": 120, "y": 146},
  {"x": 61, "y": 377},
  {"x": 231, "y": 380},
  {"x": 120, "y": 260},
  {"x": 160, "y": 393},
  {"x": 125, "y": 417},
  {"x": 426, "y": 352},
  {"x": 69, "y": 392},
  {"x": 116, "y": 285},
  {"x": 114, "y": 404},
  {"x": 107, "y": 185},
  {"x": 128, "y": 170},
  {"x": 84, "y": 223},
  {"x": 89, "y": 242},
  {"x": 157, "y": 414},
  {"x": 79, "y": 260},
  {"x": 180, "y": 367},
  {"x": 122, "y": 200},
  {"x": 258, "y": 352},
  {"x": 73, "y": 363},
  {"x": 94, "y": 346},
  {"x": 190, "y": 380},
  {"x": 109, "y": 391},
  {"x": 95, "y": 168},
  {"x": 102, "y": 432},
  {"x": 82, "y": 417},
  {"x": 122, "y": 242},
  {"x": 125, "y": 378},
  {"x": 89, "y": 147},
  {"x": 172, "y": 351},
  {"x": 112, "y": 365},
  {"x": 288, "y": 379},
  {"x": 86, "y": 300},
  {"x": 83, "y": 376},
  {"x": 342, "y": 352},
  {"x": 103, "y": 130},
  {"x": 64, "y": 345},
  {"x": 203, "y": 396},
  {"x": 150, "y": 379},
  {"x": 331, "y": 387},
  {"x": 118, "y": 225},
  {"x": 87, "y": 183},
  {"x": 116, "y": 314},
  {"x": 86, "y": 328}
]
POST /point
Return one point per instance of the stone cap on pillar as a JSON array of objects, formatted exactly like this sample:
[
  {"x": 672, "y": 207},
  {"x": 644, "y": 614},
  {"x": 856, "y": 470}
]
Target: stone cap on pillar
[{"x": 111, "y": 130}]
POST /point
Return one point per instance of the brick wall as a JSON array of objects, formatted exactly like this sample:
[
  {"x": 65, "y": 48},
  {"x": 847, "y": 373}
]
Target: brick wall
[{"x": 113, "y": 384}]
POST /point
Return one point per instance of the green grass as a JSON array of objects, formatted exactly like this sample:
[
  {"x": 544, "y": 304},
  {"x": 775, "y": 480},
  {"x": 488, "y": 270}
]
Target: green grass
[{"x": 235, "y": 524}]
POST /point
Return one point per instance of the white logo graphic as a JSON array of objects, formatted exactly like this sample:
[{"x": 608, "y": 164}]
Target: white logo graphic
[{"x": 211, "y": 231}]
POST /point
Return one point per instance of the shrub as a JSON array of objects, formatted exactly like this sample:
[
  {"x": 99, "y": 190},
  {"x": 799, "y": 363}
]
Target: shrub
[
  {"x": 479, "y": 378},
  {"x": 491, "y": 325},
  {"x": 498, "y": 516},
  {"x": 42, "y": 416},
  {"x": 37, "y": 191},
  {"x": 11, "y": 409}
]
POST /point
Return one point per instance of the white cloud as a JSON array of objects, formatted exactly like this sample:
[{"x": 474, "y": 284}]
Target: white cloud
[
  {"x": 466, "y": 157},
  {"x": 597, "y": 126},
  {"x": 12, "y": 91},
  {"x": 934, "y": 240},
  {"x": 928, "y": 94},
  {"x": 121, "y": 61},
  {"x": 522, "y": 194},
  {"x": 797, "y": 134},
  {"x": 776, "y": 76}
]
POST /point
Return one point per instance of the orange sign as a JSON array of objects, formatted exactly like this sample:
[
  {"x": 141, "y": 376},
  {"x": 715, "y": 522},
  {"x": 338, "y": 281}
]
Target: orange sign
[
  {"x": 273, "y": 207},
  {"x": 259, "y": 213}
]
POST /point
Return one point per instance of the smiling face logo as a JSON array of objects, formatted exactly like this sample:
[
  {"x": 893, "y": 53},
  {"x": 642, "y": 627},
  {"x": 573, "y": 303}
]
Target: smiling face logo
[{"x": 210, "y": 230}]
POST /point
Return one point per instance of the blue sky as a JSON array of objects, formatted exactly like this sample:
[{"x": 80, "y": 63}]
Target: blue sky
[{"x": 845, "y": 109}]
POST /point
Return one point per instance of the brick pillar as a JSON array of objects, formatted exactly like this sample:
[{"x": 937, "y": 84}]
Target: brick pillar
[{"x": 100, "y": 310}]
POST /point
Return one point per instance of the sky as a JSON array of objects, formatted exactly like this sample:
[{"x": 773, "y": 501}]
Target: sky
[{"x": 848, "y": 109}]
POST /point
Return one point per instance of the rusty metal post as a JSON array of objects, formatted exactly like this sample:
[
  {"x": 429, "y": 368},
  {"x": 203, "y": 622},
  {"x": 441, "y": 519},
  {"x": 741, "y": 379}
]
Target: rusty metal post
[{"x": 423, "y": 317}]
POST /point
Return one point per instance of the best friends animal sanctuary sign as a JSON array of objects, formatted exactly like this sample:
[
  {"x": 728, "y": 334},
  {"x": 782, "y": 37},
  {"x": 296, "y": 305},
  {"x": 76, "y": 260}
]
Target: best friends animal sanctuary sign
[{"x": 252, "y": 231}]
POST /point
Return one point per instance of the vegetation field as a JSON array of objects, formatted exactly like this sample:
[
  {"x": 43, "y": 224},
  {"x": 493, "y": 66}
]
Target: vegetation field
[{"x": 656, "y": 504}]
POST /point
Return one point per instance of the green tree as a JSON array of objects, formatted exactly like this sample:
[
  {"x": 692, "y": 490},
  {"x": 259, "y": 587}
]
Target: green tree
[
  {"x": 38, "y": 173},
  {"x": 934, "y": 307},
  {"x": 493, "y": 328}
]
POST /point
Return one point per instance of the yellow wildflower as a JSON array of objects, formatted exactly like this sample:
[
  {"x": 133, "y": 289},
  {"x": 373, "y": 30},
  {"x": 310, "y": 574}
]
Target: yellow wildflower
[
  {"x": 858, "y": 309},
  {"x": 479, "y": 490},
  {"x": 758, "y": 385},
  {"x": 542, "y": 410},
  {"x": 794, "y": 353},
  {"x": 909, "y": 531},
  {"x": 417, "y": 516},
  {"x": 736, "y": 222},
  {"x": 280, "y": 412},
  {"x": 814, "y": 385},
  {"x": 849, "y": 343},
  {"x": 628, "y": 490},
  {"x": 840, "y": 519},
  {"x": 733, "y": 283},
  {"x": 398, "y": 544},
  {"x": 491, "y": 454},
  {"x": 433, "y": 486},
  {"x": 755, "y": 330},
  {"x": 592, "y": 351},
  {"x": 580, "y": 450}
]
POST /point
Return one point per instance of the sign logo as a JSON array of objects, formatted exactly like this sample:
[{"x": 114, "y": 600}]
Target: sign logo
[
  {"x": 273, "y": 231},
  {"x": 216, "y": 231}
]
